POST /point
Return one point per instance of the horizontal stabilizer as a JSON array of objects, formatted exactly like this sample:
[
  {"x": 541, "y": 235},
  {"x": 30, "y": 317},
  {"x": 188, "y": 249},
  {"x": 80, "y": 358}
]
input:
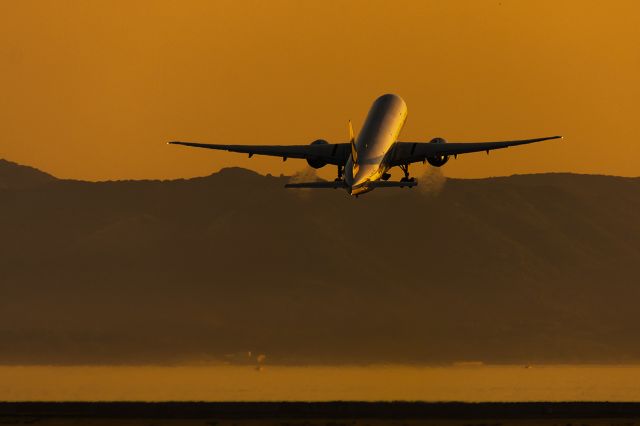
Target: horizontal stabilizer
[
  {"x": 330, "y": 184},
  {"x": 341, "y": 184},
  {"x": 390, "y": 184}
]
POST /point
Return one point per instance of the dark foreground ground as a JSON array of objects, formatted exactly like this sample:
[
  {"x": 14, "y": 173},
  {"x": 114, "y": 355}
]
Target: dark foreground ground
[{"x": 329, "y": 413}]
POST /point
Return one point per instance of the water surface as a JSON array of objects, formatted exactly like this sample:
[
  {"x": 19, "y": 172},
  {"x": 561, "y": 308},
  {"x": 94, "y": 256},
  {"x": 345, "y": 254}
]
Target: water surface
[{"x": 373, "y": 383}]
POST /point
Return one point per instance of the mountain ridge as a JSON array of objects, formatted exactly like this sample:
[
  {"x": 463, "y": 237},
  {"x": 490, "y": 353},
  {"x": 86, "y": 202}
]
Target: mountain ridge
[
  {"x": 527, "y": 268},
  {"x": 14, "y": 175},
  {"x": 8, "y": 165}
]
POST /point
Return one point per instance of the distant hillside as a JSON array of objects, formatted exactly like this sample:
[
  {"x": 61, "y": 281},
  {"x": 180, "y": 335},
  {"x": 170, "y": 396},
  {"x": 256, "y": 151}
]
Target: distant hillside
[
  {"x": 15, "y": 176},
  {"x": 534, "y": 268}
]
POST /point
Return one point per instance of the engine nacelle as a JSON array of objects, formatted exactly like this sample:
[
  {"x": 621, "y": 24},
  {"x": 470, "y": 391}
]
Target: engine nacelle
[
  {"x": 438, "y": 160},
  {"x": 316, "y": 162}
]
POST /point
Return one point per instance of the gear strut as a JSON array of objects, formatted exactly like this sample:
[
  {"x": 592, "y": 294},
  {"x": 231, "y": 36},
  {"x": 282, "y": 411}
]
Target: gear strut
[{"x": 405, "y": 170}]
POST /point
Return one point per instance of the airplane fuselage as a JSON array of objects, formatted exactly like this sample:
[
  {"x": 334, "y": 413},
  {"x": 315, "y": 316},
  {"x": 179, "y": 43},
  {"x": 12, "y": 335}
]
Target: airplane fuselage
[{"x": 374, "y": 143}]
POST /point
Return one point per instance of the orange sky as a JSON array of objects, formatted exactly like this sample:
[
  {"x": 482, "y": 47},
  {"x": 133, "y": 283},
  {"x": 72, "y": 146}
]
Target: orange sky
[{"x": 93, "y": 89}]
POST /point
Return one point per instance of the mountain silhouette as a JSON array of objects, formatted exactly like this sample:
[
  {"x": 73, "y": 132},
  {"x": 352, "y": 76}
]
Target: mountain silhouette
[
  {"x": 529, "y": 268},
  {"x": 15, "y": 176}
]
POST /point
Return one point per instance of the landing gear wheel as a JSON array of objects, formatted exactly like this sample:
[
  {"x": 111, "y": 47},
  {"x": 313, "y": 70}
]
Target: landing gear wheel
[{"x": 405, "y": 170}]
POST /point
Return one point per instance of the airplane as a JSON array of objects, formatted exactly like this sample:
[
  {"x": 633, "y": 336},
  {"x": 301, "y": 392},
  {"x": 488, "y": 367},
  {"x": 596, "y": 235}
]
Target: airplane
[{"x": 363, "y": 163}]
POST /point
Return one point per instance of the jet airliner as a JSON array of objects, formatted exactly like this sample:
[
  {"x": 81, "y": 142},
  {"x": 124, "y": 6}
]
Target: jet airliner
[{"x": 363, "y": 163}]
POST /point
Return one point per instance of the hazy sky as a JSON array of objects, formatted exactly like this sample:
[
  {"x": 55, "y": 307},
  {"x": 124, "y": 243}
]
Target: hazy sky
[{"x": 94, "y": 89}]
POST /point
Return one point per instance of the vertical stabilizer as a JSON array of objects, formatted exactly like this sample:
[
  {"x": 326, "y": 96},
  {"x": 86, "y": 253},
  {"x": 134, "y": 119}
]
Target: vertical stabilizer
[
  {"x": 352, "y": 138},
  {"x": 354, "y": 152}
]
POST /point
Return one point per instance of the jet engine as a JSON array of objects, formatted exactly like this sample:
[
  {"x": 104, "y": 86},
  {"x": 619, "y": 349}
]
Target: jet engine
[
  {"x": 317, "y": 162},
  {"x": 438, "y": 160}
]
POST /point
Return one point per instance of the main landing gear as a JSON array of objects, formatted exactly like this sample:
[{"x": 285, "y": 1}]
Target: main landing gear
[
  {"x": 405, "y": 170},
  {"x": 339, "y": 178}
]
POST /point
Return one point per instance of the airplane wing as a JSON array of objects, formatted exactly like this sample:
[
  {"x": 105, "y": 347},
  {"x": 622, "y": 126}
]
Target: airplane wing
[
  {"x": 329, "y": 153},
  {"x": 411, "y": 152}
]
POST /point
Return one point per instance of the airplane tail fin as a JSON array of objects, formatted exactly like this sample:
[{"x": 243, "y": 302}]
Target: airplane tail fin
[
  {"x": 352, "y": 137},
  {"x": 354, "y": 152}
]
